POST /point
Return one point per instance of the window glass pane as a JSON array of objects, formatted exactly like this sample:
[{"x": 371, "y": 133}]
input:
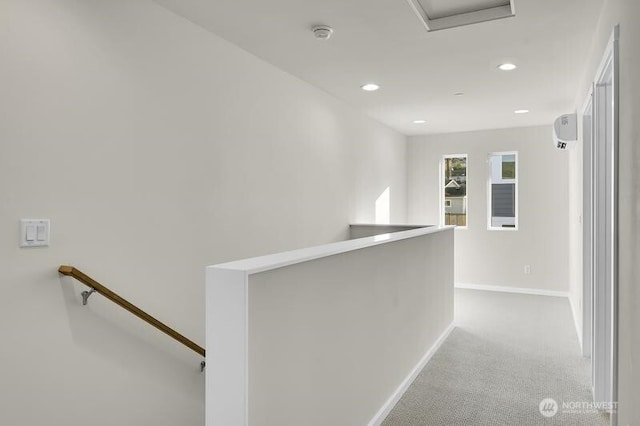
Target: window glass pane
[
  {"x": 455, "y": 190},
  {"x": 508, "y": 167},
  {"x": 503, "y": 191}
]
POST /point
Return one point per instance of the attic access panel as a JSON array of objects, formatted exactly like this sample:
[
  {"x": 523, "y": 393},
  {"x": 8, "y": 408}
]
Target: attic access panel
[{"x": 441, "y": 14}]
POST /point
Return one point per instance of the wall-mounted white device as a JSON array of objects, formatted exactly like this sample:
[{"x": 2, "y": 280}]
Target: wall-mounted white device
[{"x": 565, "y": 131}]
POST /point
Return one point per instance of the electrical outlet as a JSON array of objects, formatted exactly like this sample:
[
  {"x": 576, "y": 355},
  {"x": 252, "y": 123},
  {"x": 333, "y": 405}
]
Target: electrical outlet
[{"x": 527, "y": 269}]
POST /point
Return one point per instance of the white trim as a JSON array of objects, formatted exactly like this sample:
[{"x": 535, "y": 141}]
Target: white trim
[
  {"x": 397, "y": 394},
  {"x": 587, "y": 222},
  {"x": 576, "y": 315},
  {"x": 605, "y": 294},
  {"x": 518, "y": 290}
]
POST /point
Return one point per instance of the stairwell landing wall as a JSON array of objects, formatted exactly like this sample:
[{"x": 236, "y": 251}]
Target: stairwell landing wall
[{"x": 155, "y": 148}]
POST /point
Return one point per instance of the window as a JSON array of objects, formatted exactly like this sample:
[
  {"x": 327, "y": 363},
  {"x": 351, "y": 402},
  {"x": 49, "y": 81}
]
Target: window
[
  {"x": 502, "y": 189},
  {"x": 454, "y": 190}
]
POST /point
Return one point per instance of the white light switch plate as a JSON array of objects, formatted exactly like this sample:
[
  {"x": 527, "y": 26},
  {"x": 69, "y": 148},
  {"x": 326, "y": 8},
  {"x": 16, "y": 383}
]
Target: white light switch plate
[{"x": 34, "y": 232}]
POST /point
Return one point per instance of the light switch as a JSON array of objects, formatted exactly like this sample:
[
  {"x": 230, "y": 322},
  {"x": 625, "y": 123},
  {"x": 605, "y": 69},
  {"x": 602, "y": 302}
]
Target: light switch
[
  {"x": 41, "y": 233},
  {"x": 34, "y": 232},
  {"x": 30, "y": 233}
]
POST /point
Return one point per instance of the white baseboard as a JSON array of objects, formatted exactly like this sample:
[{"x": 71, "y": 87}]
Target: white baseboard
[
  {"x": 576, "y": 315},
  {"x": 519, "y": 290},
  {"x": 397, "y": 394}
]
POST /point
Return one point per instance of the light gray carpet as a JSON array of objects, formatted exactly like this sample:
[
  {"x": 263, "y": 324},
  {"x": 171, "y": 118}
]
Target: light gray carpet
[{"x": 507, "y": 353}]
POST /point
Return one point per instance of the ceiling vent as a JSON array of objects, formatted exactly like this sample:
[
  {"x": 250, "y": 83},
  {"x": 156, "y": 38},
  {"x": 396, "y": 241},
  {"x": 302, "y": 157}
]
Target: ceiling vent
[{"x": 442, "y": 14}]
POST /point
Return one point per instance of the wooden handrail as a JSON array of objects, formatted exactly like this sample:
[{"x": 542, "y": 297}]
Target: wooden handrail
[{"x": 99, "y": 288}]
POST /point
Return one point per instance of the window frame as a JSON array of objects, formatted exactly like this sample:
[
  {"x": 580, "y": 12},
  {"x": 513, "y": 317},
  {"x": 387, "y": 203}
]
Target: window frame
[
  {"x": 442, "y": 203},
  {"x": 517, "y": 191}
]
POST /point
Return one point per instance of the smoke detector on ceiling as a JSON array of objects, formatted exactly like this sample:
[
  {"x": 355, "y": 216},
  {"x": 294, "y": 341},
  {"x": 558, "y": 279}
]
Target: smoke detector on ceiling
[{"x": 322, "y": 32}]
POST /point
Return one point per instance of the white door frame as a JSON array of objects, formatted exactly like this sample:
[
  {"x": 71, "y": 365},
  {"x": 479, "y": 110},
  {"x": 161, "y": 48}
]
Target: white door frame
[
  {"x": 587, "y": 227},
  {"x": 604, "y": 202}
]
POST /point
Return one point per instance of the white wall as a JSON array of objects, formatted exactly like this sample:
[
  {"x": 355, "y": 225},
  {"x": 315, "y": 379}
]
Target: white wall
[
  {"x": 498, "y": 257},
  {"x": 155, "y": 148},
  {"x": 625, "y": 13}
]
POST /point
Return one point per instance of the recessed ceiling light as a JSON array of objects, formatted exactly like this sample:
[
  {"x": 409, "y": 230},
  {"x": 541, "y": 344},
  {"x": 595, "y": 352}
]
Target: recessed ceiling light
[
  {"x": 419, "y": 121},
  {"x": 370, "y": 87},
  {"x": 521, "y": 111},
  {"x": 507, "y": 67}
]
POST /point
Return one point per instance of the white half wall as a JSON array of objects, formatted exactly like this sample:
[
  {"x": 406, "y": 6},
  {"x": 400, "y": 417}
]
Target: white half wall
[
  {"x": 329, "y": 335},
  {"x": 497, "y": 258},
  {"x": 155, "y": 148}
]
